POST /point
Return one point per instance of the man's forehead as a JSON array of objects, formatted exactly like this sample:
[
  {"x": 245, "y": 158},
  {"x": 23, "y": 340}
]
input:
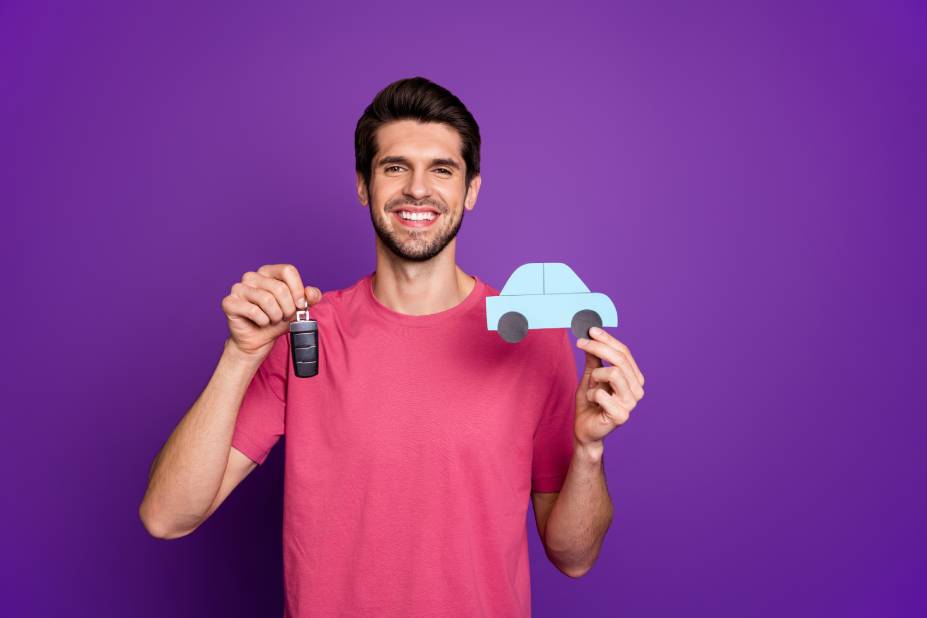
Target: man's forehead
[{"x": 418, "y": 141}]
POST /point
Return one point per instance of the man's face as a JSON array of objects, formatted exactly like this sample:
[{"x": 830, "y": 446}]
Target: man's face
[{"x": 417, "y": 192}]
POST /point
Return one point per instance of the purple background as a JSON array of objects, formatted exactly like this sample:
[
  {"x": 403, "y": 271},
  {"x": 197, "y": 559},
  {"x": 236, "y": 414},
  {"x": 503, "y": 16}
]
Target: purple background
[{"x": 746, "y": 183}]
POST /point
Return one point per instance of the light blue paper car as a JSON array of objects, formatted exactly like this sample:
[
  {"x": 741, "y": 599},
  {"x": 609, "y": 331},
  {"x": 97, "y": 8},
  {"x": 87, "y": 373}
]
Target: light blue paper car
[{"x": 547, "y": 295}]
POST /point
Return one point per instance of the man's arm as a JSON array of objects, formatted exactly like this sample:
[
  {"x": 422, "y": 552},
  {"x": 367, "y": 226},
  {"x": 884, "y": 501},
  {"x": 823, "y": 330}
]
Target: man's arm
[
  {"x": 572, "y": 523},
  {"x": 575, "y": 524},
  {"x": 197, "y": 467}
]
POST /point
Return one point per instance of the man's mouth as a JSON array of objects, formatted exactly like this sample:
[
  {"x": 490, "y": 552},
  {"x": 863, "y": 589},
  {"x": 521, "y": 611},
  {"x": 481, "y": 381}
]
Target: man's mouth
[{"x": 416, "y": 218}]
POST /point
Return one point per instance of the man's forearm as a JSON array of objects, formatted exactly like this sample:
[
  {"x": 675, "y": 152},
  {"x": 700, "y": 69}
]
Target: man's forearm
[
  {"x": 581, "y": 514},
  {"x": 187, "y": 472}
]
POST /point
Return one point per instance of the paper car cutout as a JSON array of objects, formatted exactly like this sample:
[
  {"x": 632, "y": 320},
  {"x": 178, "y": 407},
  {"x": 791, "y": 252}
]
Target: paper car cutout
[{"x": 547, "y": 295}]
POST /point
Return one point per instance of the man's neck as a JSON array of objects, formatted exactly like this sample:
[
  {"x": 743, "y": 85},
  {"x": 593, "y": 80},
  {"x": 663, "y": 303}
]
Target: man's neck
[{"x": 420, "y": 288}]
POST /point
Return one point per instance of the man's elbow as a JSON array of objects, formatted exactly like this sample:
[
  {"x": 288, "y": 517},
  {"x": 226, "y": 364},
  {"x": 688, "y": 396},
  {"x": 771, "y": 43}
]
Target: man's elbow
[
  {"x": 570, "y": 568},
  {"x": 572, "y": 563},
  {"x": 575, "y": 572},
  {"x": 157, "y": 529}
]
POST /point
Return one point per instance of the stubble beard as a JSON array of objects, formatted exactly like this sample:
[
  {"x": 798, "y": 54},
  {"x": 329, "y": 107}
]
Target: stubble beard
[{"x": 415, "y": 247}]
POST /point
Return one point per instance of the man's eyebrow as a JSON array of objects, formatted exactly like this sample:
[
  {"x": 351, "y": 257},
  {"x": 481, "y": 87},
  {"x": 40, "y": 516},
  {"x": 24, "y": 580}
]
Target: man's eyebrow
[{"x": 406, "y": 162}]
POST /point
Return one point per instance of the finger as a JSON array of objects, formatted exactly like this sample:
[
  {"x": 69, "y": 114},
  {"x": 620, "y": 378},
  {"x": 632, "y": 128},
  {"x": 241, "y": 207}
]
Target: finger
[
  {"x": 619, "y": 383},
  {"x": 236, "y": 307},
  {"x": 313, "y": 294},
  {"x": 600, "y": 334},
  {"x": 602, "y": 350},
  {"x": 592, "y": 361},
  {"x": 260, "y": 297},
  {"x": 289, "y": 274},
  {"x": 278, "y": 288},
  {"x": 614, "y": 410},
  {"x": 590, "y": 392},
  {"x": 627, "y": 372}
]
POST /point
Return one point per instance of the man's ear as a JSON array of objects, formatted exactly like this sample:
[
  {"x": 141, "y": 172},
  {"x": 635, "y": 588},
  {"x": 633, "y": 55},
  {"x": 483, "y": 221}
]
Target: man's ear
[
  {"x": 473, "y": 189},
  {"x": 361, "y": 189}
]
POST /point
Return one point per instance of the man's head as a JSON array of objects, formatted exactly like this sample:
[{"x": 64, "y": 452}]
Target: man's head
[{"x": 416, "y": 147}]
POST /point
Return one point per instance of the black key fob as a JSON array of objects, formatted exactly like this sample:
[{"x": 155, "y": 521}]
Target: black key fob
[{"x": 304, "y": 342}]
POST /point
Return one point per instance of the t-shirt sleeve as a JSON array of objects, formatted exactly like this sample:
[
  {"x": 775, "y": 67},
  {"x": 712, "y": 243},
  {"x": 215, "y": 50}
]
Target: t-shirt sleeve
[
  {"x": 553, "y": 438},
  {"x": 260, "y": 420}
]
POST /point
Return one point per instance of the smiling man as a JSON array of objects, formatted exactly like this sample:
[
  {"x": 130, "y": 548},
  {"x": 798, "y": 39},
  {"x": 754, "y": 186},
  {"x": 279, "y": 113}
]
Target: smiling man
[
  {"x": 411, "y": 224},
  {"x": 411, "y": 457}
]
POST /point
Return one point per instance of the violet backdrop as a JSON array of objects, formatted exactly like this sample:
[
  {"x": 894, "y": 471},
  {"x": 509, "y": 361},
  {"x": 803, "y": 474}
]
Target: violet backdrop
[{"x": 746, "y": 182}]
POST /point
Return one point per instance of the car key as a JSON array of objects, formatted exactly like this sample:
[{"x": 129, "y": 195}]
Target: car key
[{"x": 304, "y": 342}]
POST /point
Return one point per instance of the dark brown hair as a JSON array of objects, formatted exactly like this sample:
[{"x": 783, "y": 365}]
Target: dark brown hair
[{"x": 416, "y": 98}]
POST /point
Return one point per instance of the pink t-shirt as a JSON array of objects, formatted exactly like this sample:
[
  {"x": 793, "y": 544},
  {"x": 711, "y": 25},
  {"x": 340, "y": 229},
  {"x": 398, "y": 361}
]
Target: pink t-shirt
[{"x": 411, "y": 457}]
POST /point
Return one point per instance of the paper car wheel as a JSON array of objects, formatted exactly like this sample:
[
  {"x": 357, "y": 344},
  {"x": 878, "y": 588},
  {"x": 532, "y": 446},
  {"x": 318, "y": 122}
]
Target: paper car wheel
[
  {"x": 583, "y": 321},
  {"x": 513, "y": 326}
]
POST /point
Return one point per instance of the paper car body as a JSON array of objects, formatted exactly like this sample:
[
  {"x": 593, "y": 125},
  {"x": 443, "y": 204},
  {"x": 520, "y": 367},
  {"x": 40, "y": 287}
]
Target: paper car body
[{"x": 547, "y": 295}]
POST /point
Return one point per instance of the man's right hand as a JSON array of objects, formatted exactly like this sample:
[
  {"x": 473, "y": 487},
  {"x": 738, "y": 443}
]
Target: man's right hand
[{"x": 260, "y": 306}]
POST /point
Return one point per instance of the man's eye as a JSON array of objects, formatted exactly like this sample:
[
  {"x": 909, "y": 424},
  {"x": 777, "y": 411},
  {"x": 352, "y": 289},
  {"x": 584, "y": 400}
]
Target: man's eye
[
  {"x": 441, "y": 169},
  {"x": 393, "y": 167}
]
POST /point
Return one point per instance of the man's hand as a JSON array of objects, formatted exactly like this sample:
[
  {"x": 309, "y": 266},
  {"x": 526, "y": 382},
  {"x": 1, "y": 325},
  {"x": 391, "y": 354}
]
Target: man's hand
[
  {"x": 260, "y": 306},
  {"x": 606, "y": 395}
]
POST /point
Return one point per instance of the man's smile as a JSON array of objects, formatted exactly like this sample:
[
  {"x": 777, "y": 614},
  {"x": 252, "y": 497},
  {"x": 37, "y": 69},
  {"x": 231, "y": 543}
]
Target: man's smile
[{"x": 416, "y": 218}]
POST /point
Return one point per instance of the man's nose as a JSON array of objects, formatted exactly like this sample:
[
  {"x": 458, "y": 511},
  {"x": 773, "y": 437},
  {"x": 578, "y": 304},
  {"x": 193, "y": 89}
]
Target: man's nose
[{"x": 418, "y": 185}]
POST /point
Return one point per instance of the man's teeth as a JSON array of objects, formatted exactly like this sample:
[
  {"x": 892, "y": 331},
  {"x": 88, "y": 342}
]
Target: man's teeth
[{"x": 417, "y": 216}]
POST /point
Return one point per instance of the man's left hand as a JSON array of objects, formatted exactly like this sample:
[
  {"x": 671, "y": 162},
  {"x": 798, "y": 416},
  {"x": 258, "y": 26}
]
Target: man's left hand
[{"x": 606, "y": 395}]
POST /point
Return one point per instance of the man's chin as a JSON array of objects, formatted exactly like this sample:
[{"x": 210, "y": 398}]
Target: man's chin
[
  {"x": 415, "y": 245},
  {"x": 414, "y": 254}
]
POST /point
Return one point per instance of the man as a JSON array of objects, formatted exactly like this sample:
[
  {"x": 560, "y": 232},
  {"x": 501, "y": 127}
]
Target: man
[{"x": 411, "y": 455}]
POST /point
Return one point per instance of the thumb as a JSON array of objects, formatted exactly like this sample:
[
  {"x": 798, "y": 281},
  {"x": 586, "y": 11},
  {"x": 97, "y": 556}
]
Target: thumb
[
  {"x": 313, "y": 295},
  {"x": 592, "y": 362}
]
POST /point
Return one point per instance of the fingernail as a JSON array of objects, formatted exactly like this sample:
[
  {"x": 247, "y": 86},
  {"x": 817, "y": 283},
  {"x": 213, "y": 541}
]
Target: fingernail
[
  {"x": 595, "y": 330},
  {"x": 301, "y": 303},
  {"x": 582, "y": 341}
]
